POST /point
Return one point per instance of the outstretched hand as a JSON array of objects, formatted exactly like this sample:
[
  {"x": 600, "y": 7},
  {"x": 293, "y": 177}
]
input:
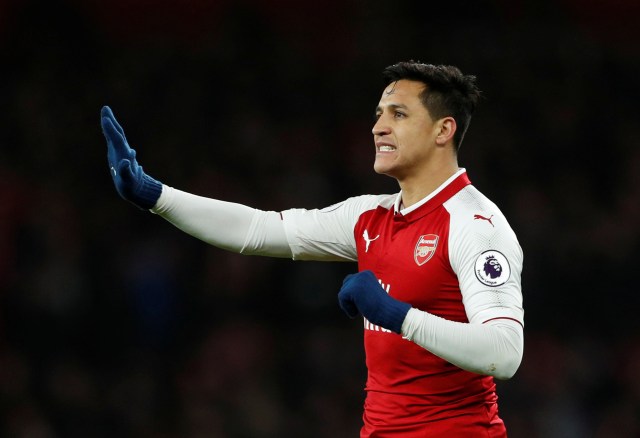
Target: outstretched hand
[
  {"x": 128, "y": 176},
  {"x": 362, "y": 293}
]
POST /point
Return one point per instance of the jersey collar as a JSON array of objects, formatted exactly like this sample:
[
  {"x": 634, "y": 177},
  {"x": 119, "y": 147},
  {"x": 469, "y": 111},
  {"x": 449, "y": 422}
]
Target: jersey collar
[{"x": 439, "y": 196}]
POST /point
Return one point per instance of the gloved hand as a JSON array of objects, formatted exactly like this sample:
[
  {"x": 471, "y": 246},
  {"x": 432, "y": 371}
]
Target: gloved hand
[
  {"x": 362, "y": 293},
  {"x": 130, "y": 180}
]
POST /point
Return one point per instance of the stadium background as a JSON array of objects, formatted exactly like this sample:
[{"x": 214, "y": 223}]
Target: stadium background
[{"x": 115, "y": 324}]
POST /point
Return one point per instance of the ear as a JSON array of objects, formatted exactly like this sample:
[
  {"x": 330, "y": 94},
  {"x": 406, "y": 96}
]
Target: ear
[{"x": 445, "y": 130}]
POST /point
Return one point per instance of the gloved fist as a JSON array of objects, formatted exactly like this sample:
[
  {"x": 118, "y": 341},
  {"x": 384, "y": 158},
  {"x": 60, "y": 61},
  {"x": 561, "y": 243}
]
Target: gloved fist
[
  {"x": 130, "y": 180},
  {"x": 362, "y": 293}
]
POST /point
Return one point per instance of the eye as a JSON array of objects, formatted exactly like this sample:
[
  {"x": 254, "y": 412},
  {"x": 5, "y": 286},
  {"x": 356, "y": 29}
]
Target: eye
[{"x": 399, "y": 115}]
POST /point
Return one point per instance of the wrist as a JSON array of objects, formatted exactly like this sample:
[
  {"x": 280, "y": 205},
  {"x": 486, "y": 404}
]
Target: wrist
[
  {"x": 148, "y": 192},
  {"x": 396, "y": 314}
]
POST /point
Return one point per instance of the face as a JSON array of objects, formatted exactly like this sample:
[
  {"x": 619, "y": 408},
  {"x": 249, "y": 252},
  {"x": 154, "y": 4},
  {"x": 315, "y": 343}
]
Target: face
[{"x": 404, "y": 133}]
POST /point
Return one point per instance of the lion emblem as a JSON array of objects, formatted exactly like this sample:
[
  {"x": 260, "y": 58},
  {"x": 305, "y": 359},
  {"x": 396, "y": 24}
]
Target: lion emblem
[{"x": 492, "y": 267}]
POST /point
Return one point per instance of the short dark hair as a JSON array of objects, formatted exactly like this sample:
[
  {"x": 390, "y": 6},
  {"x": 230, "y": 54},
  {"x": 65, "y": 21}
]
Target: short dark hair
[{"x": 448, "y": 92}]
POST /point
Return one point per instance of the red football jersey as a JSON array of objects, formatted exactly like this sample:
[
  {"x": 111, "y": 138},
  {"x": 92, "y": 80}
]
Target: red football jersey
[{"x": 453, "y": 255}]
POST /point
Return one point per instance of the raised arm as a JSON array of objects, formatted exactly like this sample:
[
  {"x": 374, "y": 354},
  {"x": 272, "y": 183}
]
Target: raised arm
[{"x": 226, "y": 225}]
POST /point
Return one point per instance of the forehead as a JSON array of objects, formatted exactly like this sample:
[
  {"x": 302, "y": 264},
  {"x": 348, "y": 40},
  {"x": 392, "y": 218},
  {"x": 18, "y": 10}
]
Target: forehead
[{"x": 402, "y": 91}]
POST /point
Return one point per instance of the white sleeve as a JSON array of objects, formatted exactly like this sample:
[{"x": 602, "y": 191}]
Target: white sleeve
[
  {"x": 487, "y": 258},
  {"x": 494, "y": 348},
  {"x": 226, "y": 225},
  {"x": 327, "y": 234}
]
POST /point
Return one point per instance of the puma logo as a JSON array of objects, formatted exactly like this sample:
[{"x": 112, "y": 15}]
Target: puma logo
[
  {"x": 488, "y": 219},
  {"x": 368, "y": 240}
]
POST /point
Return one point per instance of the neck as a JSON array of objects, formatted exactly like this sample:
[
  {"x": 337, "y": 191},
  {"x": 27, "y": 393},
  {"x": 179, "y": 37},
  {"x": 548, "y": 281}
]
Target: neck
[{"x": 421, "y": 185}]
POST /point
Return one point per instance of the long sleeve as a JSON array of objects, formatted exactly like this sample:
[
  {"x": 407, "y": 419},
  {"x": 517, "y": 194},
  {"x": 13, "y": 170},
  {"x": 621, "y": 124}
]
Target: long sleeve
[
  {"x": 226, "y": 225},
  {"x": 494, "y": 348}
]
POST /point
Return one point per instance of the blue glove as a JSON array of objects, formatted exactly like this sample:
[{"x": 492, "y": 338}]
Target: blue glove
[
  {"x": 130, "y": 180},
  {"x": 362, "y": 293}
]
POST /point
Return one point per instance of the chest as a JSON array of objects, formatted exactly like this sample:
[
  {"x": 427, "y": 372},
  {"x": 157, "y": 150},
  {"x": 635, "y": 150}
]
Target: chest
[{"x": 410, "y": 257}]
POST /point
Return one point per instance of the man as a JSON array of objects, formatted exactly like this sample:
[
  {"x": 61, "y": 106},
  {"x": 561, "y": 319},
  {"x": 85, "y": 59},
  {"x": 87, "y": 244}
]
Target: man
[{"x": 439, "y": 267}]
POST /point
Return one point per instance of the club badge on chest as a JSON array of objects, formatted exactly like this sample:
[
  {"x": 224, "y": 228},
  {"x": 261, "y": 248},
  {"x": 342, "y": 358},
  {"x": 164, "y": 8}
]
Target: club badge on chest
[{"x": 425, "y": 248}]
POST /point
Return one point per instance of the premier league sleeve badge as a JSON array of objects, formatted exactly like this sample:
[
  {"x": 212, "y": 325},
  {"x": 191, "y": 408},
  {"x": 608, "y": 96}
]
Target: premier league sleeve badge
[{"x": 492, "y": 268}]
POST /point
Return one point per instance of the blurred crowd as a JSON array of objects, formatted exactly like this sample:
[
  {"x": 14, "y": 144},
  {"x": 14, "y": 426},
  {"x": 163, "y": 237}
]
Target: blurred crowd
[{"x": 115, "y": 324}]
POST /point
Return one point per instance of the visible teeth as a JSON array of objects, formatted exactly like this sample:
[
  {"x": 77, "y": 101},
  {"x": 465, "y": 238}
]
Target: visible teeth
[{"x": 386, "y": 148}]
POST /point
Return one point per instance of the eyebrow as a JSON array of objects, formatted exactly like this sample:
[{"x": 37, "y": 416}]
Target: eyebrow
[{"x": 392, "y": 106}]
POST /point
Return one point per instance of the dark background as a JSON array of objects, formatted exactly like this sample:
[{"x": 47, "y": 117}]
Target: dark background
[{"x": 115, "y": 324}]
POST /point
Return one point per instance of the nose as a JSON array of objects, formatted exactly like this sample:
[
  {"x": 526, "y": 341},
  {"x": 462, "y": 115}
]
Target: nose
[{"x": 380, "y": 127}]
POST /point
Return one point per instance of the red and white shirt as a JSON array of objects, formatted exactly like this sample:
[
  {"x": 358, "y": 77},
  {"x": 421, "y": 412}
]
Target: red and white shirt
[{"x": 453, "y": 255}]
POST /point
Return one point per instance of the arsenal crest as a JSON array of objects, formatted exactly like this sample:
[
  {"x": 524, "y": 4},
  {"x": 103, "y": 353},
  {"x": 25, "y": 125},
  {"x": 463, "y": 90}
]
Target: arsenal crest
[{"x": 425, "y": 248}]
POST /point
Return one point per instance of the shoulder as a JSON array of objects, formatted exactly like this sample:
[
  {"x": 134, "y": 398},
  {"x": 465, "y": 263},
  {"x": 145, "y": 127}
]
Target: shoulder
[
  {"x": 343, "y": 214},
  {"x": 467, "y": 199},
  {"x": 472, "y": 210},
  {"x": 477, "y": 226},
  {"x": 362, "y": 203},
  {"x": 483, "y": 248}
]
